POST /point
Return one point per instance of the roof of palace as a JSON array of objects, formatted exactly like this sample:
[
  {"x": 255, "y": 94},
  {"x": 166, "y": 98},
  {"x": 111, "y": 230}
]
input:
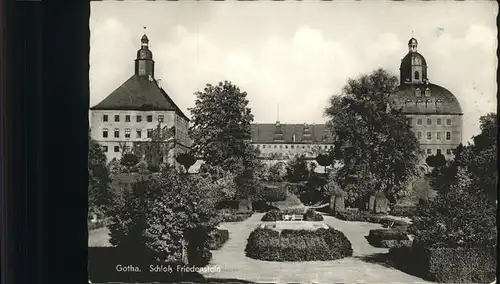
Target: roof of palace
[
  {"x": 426, "y": 99},
  {"x": 138, "y": 93},
  {"x": 265, "y": 133}
]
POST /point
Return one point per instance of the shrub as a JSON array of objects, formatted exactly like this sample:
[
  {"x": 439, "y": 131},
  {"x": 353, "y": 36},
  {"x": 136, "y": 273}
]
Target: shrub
[
  {"x": 129, "y": 160},
  {"x": 298, "y": 245},
  {"x": 403, "y": 211},
  {"x": 387, "y": 234},
  {"x": 272, "y": 194},
  {"x": 262, "y": 206},
  {"x": 273, "y": 215},
  {"x": 228, "y": 215},
  {"x": 394, "y": 243},
  {"x": 263, "y": 244},
  {"x": 218, "y": 238},
  {"x": 312, "y": 215},
  {"x": 447, "y": 265},
  {"x": 357, "y": 216}
]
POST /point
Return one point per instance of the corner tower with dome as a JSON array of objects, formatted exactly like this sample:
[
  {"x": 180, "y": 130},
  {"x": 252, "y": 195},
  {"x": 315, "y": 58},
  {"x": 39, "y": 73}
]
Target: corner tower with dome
[
  {"x": 433, "y": 112},
  {"x": 136, "y": 110}
]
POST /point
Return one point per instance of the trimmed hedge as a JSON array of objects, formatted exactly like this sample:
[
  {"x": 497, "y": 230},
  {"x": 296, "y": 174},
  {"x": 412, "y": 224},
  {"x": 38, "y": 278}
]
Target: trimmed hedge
[
  {"x": 218, "y": 239},
  {"x": 375, "y": 237},
  {"x": 447, "y": 265},
  {"x": 298, "y": 245},
  {"x": 404, "y": 211},
  {"x": 272, "y": 215},
  {"x": 357, "y": 216},
  {"x": 312, "y": 215},
  {"x": 228, "y": 215}
]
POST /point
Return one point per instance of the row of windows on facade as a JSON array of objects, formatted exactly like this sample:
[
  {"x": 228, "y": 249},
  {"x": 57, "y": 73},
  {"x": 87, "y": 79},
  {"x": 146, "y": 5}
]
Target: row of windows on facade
[
  {"x": 438, "y": 135},
  {"x": 438, "y": 151},
  {"x": 127, "y": 133},
  {"x": 418, "y": 103},
  {"x": 439, "y": 121},
  {"x": 116, "y": 149},
  {"x": 418, "y": 92},
  {"x": 138, "y": 118},
  {"x": 293, "y": 146}
]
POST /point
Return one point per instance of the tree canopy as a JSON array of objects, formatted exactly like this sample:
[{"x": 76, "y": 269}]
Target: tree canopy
[
  {"x": 372, "y": 134},
  {"x": 221, "y": 132},
  {"x": 99, "y": 180}
]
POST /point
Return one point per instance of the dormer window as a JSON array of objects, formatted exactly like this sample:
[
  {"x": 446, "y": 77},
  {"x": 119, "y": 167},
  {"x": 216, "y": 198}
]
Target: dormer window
[
  {"x": 428, "y": 103},
  {"x": 439, "y": 103},
  {"x": 408, "y": 102},
  {"x": 419, "y": 103},
  {"x": 427, "y": 92},
  {"x": 418, "y": 93}
]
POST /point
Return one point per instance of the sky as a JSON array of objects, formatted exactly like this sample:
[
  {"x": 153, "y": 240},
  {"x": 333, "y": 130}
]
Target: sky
[{"x": 291, "y": 57}]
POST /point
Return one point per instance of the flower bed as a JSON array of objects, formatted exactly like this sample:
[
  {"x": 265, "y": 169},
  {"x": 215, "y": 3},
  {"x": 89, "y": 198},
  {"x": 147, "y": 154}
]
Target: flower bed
[
  {"x": 298, "y": 245},
  {"x": 388, "y": 238},
  {"x": 447, "y": 265},
  {"x": 218, "y": 238}
]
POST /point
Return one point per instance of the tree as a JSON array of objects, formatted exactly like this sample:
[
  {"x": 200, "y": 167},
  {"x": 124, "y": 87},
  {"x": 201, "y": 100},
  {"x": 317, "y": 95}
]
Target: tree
[
  {"x": 373, "y": 134},
  {"x": 99, "y": 180},
  {"x": 186, "y": 160},
  {"x": 435, "y": 161},
  {"x": 324, "y": 160},
  {"x": 296, "y": 170},
  {"x": 221, "y": 132},
  {"x": 129, "y": 160}
]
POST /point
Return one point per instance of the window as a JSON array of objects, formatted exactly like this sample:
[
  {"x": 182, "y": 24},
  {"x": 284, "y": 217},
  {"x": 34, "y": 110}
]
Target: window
[
  {"x": 418, "y": 93},
  {"x": 438, "y": 121},
  {"x": 149, "y": 118},
  {"x": 448, "y": 121},
  {"x": 419, "y": 121},
  {"x": 117, "y": 133},
  {"x": 105, "y": 133},
  {"x": 281, "y": 146},
  {"x": 427, "y": 92},
  {"x": 127, "y": 118},
  {"x": 420, "y": 103},
  {"x": 117, "y": 148},
  {"x": 105, "y": 148},
  {"x": 127, "y": 132},
  {"x": 292, "y": 146},
  {"x": 438, "y": 135},
  {"x": 419, "y": 135},
  {"x": 429, "y": 121},
  {"x": 331, "y": 147},
  {"x": 263, "y": 146},
  {"x": 448, "y": 151},
  {"x": 409, "y": 121},
  {"x": 274, "y": 146},
  {"x": 160, "y": 118},
  {"x": 139, "y": 118},
  {"x": 127, "y": 148},
  {"x": 428, "y": 103},
  {"x": 139, "y": 133},
  {"x": 429, "y": 135},
  {"x": 448, "y": 135},
  {"x": 117, "y": 118},
  {"x": 286, "y": 146},
  {"x": 150, "y": 132},
  {"x": 439, "y": 103},
  {"x": 258, "y": 146},
  {"x": 429, "y": 151},
  {"x": 417, "y": 75},
  {"x": 105, "y": 117},
  {"x": 303, "y": 146},
  {"x": 438, "y": 151},
  {"x": 408, "y": 102}
]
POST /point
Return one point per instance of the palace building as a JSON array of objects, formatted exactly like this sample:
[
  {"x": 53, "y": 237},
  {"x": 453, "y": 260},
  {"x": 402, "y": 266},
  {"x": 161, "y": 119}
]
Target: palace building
[
  {"x": 433, "y": 111},
  {"x": 137, "y": 109},
  {"x": 283, "y": 141}
]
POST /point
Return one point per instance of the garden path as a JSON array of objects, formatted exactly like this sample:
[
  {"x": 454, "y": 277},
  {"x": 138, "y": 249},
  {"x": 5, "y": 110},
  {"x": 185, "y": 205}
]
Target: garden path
[{"x": 235, "y": 265}]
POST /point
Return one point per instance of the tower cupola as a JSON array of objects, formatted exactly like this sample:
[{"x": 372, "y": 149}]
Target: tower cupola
[
  {"x": 413, "y": 69},
  {"x": 144, "y": 63}
]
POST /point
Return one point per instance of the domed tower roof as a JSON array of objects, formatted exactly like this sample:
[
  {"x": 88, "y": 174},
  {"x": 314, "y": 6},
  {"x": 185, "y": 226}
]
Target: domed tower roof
[
  {"x": 426, "y": 99},
  {"x": 413, "y": 68}
]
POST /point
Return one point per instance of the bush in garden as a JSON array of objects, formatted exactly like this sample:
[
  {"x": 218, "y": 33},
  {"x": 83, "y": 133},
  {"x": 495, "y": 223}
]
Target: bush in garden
[
  {"x": 388, "y": 238},
  {"x": 298, "y": 245},
  {"x": 312, "y": 215},
  {"x": 273, "y": 215},
  {"x": 263, "y": 244},
  {"x": 129, "y": 160},
  {"x": 218, "y": 238},
  {"x": 228, "y": 215}
]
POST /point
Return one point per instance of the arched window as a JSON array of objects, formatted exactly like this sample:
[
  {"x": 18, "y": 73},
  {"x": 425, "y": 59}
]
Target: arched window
[
  {"x": 428, "y": 103},
  {"x": 418, "y": 93},
  {"x": 417, "y": 75},
  {"x": 419, "y": 103},
  {"x": 439, "y": 103},
  {"x": 427, "y": 92},
  {"x": 408, "y": 103}
]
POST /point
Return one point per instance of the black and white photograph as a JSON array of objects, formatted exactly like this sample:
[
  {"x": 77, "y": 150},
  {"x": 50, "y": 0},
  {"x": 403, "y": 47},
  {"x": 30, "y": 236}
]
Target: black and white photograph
[{"x": 293, "y": 142}]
